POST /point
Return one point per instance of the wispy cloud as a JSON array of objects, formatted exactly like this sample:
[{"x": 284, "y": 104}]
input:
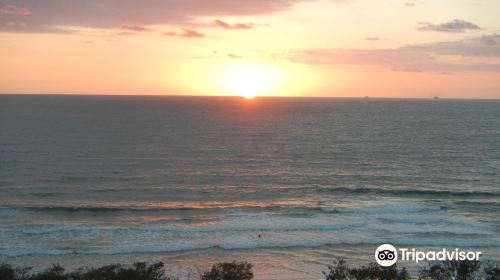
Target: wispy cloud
[
  {"x": 455, "y": 26},
  {"x": 491, "y": 40},
  {"x": 136, "y": 28},
  {"x": 189, "y": 33},
  {"x": 225, "y": 25},
  {"x": 170, "y": 33},
  {"x": 13, "y": 10},
  {"x": 14, "y": 23},
  {"x": 51, "y": 16},
  {"x": 412, "y": 3},
  {"x": 186, "y": 33},
  {"x": 485, "y": 51},
  {"x": 231, "y": 55}
]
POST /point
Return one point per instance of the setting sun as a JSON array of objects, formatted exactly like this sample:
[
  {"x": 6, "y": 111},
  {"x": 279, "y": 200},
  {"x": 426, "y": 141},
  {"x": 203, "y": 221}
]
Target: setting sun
[{"x": 249, "y": 81}]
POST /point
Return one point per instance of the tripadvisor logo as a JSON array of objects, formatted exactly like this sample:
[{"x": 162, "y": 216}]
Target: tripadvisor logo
[{"x": 387, "y": 255}]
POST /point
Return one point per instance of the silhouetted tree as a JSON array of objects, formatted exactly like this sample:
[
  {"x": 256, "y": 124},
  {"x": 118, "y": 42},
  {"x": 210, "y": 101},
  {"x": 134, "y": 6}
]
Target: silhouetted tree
[
  {"x": 7, "y": 272},
  {"x": 451, "y": 270},
  {"x": 341, "y": 271},
  {"x": 492, "y": 272},
  {"x": 229, "y": 271},
  {"x": 139, "y": 271},
  {"x": 55, "y": 272},
  {"x": 375, "y": 272},
  {"x": 102, "y": 273}
]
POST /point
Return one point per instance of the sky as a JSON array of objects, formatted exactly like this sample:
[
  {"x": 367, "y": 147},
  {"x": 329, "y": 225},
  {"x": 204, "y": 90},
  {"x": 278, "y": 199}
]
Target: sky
[{"x": 338, "y": 48}]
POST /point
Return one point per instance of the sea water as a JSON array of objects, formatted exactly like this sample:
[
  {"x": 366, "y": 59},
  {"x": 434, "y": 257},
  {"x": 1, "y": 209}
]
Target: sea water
[{"x": 286, "y": 183}]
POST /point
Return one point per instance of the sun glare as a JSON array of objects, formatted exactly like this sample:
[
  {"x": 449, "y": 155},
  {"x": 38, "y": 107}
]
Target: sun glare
[
  {"x": 250, "y": 81},
  {"x": 249, "y": 78}
]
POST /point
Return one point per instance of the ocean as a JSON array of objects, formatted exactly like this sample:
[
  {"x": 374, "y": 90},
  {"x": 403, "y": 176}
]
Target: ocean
[{"x": 288, "y": 184}]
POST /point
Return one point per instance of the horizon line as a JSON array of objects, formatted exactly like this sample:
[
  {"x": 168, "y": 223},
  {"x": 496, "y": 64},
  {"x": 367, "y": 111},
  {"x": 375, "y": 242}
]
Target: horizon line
[{"x": 256, "y": 97}]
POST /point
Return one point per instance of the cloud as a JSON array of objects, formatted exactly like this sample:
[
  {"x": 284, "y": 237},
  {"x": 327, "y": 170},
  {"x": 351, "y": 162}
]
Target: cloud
[
  {"x": 55, "y": 15},
  {"x": 189, "y": 33},
  {"x": 395, "y": 58},
  {"x": 476, "y": 55},
  {"x": 126, "y": 33},
  {"x": 170, "y": 33},
  {"x": 214, "y": 54},
  {"x": 372, "y": 38},
  {"x": 455, "y": 26},
  {"x": 485, "y": 46},
  {"x": 225, "y": 25},
  {"x": 491, "y": 40},
  {"x": 186, "y": 33},
  {"x": 136, "y": 28},
  {"x": 13, "y": 10},
  {"x": 15, "y": 24},
  {"x": 412, "y": 70},
  {"x": 413, "y": 3}
]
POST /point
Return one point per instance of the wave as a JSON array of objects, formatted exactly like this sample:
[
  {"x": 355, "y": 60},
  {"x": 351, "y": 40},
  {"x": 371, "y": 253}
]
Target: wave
[
  {"x": 408, "y": 192},
  {"x": 241, "y": 230},
  {"x": 231, "y": 245},
  {"x": 491, "y": 205},
  {"x": 229, "y": 205},
  {"x": 238, "y": 223},
  {"x": 412, "y": 219},
  {"x": 399, "y": 208},
  {"x": 96, "y": 208},
  {"x": 103, "y": 206}
]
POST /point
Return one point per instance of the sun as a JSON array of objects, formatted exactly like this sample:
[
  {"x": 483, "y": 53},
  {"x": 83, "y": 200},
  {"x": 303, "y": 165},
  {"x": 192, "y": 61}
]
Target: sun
[
  {"x": 250, "y": 81},
  {"x": 249, "y": 96}
]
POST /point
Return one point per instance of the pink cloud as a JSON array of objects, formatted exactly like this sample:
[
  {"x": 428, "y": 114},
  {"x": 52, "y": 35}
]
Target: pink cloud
[
  {"x": 135, "y": 28},
  {"x": 126, "y": 33},
  {"x": 52, "y": 16},
  {"x": 189, "y": 33},
  {"x": 170, "y": 33},
  {"x": 225, "y": 25},
  {"x": 410, "y": 58},
  {"x": 13, "y": 10},
  {"x": 15, "y": 24},
  {"x": 186, "y": 33}
]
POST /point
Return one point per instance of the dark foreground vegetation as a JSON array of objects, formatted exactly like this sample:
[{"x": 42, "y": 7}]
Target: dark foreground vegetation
[{"x": 447, "y": 270}]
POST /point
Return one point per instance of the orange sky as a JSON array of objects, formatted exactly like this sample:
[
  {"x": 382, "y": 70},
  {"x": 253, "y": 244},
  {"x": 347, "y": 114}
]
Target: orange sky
[{"x": 412, "y": 48}]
